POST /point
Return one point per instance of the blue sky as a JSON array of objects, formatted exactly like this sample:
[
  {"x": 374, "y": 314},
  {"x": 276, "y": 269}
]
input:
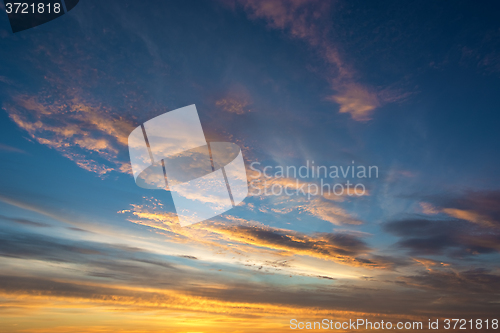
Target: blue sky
[{"x": 409, "y": 87}]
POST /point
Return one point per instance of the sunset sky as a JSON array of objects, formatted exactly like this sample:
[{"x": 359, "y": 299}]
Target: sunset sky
[{"x": 411, "y": 87}]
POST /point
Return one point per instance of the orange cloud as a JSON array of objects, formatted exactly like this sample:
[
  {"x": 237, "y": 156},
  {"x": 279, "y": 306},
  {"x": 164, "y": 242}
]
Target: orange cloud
[
  {"x": 102, "y": 308},
  {"x": 357, "y": 101},
  {"x": 233, "y": 105},
  {"x": 428, "y": 209},
  {"x": 253, "y": 237},
  {"x": 470, "y": 216},
  {"x": 74, "y": 127},
  {"x": 430, "y": 264},
  {"x": 462, "y": 214},
  {"x": 306, "y": 20},
  {"x": 328, "y": 211}
]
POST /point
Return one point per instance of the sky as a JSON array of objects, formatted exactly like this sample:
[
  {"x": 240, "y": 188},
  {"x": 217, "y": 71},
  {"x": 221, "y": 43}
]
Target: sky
[{"x": 409, "y": 88}]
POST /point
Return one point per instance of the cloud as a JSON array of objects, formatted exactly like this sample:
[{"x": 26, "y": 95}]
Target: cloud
[
  {"x": 357, "y": 101},
  {"x": 5, "y": 80},
  {"x": 11, "y": 149},
  {"x": 232, "y": 301},
  {"x": 329, "y": 211},
  {"x": 212, "y": 303},
  {"x": 309, "y": 21},
  {"x": 40, "y": 209},
  {"x": 478, "y": 280},
  {"x": 451, "y": 237},
  {"x": 254, "y": 237},
  {"x": 89, "y": 259},
  {"x": 481, "y": 54},
  {"x": 306, "y": 196},
  {"x": 132, "y": 279},
  {"x": 461, "y": 225},
  {"x": 468, "y": 216},
  {"x": 478, "y": 207},
  {"x": 428, "y": 209},
  {"x": 232, "y": 105},
  {"x": 341, "y": 248},
  {"x": 24, "y": 221},
  {"x": 236, "y": 99},
  {"x": 294, "y": 16},
  {"x": 75, "y": 128},
  {"x": 43, "y": 273},
  {"x": 54, "y": 272},
  {"x": 85, "y": 106},
  {"x": 35, "y": 246}
]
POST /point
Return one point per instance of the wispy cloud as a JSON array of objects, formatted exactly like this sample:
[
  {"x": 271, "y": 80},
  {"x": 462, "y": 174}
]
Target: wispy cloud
[
  {"x": 329, "y": 211},
  {"x": 11, "y": 149},
  {"x": 75, "y": 128},
  {"x": 307, "y": 197},
  {"x": 481, "y": 207},
  {"x": 23, "y": 221},
  {"x": 477, "y": 280},
  {"x": 237, "y": 100},
  {"x": 309, "y": 21},
  {"x": 232, "y": 105}
]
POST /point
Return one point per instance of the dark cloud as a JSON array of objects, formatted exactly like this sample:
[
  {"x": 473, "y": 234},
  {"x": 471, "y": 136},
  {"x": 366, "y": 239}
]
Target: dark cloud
[
  {"x": 450, "y": 237},
  {"x": 24, "y": 221},
  {"x": 37, "y": 246},
  {"x": 326, "y": 297},
  {"x": 345, "y": 248},
  {"x": 423, "y": 236},
  {"x": 486, "y": 203},
  {"x": 457, "y": 226},
  {"x": 478, "y": 280},
  {"x": 77, "y": 229},
  {"x": 189, "y": 257},
  {"x": 482, "y": 207},
  {"x": 107, "y": 262},
  {"x": 121, "y": 262},
  {"x": 324, "y": 245}
]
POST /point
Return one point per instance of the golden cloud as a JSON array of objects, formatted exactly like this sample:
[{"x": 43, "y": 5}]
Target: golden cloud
[
  {"x": 74, "y": 127},
  {"x": 461, "y": 214},
  {"x": 357, "y": 101},
  {"x": 254, "y": 237}
]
